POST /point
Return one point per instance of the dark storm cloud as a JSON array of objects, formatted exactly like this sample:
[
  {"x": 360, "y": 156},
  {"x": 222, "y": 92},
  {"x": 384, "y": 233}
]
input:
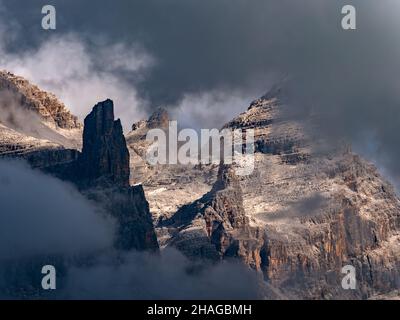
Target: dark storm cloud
[
  {"x": 350, "y": 79},
  {"x": 199, "y": 45}
]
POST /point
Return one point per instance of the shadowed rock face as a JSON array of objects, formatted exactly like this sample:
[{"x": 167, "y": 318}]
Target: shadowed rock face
[
  {"x": 137, "y": 144},
  {"x": 128, "y": 205},
  {"x": 104, "y": 153},
  {"x": 102, "y": 174},
  {"x": 158, "y": 119}
]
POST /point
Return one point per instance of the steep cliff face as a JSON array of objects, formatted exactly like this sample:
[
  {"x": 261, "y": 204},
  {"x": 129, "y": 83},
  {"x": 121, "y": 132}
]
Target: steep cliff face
[
  {"x": 332, "y": 222},
  {"x": 104, "y": 153},
  {"x": 103, "y": 175},
  {"x": 50, "y": 140},
  {"x": 216, "y": 226},
  {"x": 128, "y": 205},
  {"x": 101, "y": 172},
  {"x": 321, "y": 209},
  {"x": 304, "y": 213}
]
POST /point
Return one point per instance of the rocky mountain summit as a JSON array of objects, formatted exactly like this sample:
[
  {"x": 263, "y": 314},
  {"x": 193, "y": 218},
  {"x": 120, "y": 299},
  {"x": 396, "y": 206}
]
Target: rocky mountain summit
[
  {"x": 45, "y": 104},
  {"x": 104, "y": 166},
  {"x": 137, "y": 144},
  {"x": 320, "y": 210},
  {"x": 159, "y": 119},
  {"x": 101, "y": 173},
  {"x": 168, "y": 187},
  {"x": 104, "y": 150},
  {"x": 304, "y": 213},
  {"x": 34, "y": 124}
]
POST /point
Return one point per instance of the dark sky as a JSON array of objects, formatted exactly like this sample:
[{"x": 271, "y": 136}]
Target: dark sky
[
  {"x": 200, "y": 45},
  {"x": 228, "y": 48}
]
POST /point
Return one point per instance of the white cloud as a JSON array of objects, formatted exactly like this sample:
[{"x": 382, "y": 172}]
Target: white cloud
[{"x": 68, "y": 68}]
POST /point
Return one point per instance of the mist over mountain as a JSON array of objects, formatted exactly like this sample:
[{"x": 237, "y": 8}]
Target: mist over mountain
[
  {"x": 185, "y": 55},
  {"x": 44, "y": 217},
  {"x": 77, "y": 211},
  {"x": 77, "y": 102}
]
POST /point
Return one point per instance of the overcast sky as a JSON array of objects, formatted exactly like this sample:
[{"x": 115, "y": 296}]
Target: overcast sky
[{"x": 206, "y": 60}]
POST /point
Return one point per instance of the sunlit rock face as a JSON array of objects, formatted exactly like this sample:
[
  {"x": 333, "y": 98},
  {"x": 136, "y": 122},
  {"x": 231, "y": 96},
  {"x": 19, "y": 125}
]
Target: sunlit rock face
[
  {"x": 37, "y": 128},
  {"x": 35, "y": 125},
  {"x": 307, "y": 210},
  {"x": 216, "y": 226}
]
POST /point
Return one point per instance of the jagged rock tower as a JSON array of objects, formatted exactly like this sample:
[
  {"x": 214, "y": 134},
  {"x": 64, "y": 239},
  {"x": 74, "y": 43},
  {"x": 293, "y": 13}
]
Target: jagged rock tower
[
  {"x": 104, "y": 153},
  {"x": 102, "y": 174}
]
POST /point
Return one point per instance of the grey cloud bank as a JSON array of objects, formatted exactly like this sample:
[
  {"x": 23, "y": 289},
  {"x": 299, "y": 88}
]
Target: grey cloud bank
[
  {"x": 44, "y": 220},
  {"x": 42, "y": 215},
  {"x": 166, "y": 276}
]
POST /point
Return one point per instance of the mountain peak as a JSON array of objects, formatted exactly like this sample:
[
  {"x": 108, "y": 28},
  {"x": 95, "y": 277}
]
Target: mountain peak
[
  {"x": 158, "y": 119},
  {"x": 104, "y": 150},
  {"x": 30, "y": 97}
]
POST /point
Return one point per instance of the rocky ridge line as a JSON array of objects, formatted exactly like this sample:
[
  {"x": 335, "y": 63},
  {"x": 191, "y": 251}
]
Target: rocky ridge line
[{"x": 45, "y": 104}]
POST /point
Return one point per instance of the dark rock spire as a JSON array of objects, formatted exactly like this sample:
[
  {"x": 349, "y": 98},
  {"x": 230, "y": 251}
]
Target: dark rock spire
[{"x": 104, "y": 153}]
